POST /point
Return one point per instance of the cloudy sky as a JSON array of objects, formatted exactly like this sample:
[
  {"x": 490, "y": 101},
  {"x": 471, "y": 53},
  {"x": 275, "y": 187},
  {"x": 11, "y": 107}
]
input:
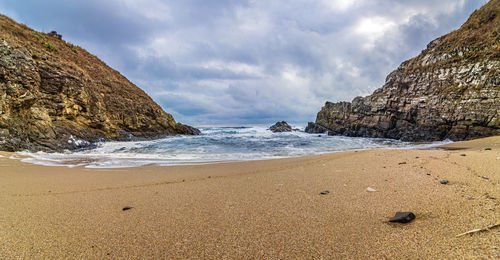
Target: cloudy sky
[{"x": 253, "y": 61}]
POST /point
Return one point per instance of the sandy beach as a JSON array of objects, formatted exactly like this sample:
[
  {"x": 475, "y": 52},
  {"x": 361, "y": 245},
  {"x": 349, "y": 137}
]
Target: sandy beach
[{"x": 259, "y": 209}]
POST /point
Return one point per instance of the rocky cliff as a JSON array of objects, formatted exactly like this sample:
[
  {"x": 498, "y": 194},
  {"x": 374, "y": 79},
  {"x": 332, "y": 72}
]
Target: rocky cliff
[
  {"x": 451, "y": 90},
  {"x": 54, "y": 95}
]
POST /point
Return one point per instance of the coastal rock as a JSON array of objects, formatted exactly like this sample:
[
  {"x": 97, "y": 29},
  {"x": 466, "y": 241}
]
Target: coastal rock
[
  {"x": 450, "y": 91},
  {"x": 55, "y": 96},
  {"x": 314, "y": 128},
  {"x": 280, "y": 127}
]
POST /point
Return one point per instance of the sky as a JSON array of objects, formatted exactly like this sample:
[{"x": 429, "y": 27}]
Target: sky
[{"x": 233, "y": 62}]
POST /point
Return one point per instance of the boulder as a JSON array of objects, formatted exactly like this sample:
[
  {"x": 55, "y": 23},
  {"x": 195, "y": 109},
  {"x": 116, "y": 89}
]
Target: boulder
[{"x": 280, "y": 127}]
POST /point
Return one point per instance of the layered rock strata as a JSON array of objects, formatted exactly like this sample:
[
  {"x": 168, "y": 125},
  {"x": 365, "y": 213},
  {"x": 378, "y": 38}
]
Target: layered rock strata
[
  {"x": 54, "y": 96},
  {"x": 450, "y": 91}
]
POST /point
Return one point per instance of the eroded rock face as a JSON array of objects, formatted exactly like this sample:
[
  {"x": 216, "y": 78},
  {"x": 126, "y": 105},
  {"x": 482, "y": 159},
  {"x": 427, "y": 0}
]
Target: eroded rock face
[
  {"x": 54, "y": 95},
  {"x": 451, "y": 90}
]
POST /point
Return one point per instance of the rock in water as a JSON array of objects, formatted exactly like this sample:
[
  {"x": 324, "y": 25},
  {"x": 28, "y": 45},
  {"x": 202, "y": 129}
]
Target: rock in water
[
  {"x": 314, "y": 128},
  {"x": 402, "y": 217},
  {"x": 451, "y": 90},
  {"x": 280, "y": 127},
  {"x": 54, "y": 96}
]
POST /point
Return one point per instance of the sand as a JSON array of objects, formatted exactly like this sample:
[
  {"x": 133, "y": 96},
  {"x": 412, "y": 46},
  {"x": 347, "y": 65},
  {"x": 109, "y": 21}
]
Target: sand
[{"x": 260, "y": 209}]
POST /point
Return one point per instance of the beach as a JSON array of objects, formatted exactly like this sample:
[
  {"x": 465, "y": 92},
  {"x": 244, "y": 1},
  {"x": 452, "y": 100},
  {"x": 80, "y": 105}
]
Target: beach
[{"x": 269, "y": 209}]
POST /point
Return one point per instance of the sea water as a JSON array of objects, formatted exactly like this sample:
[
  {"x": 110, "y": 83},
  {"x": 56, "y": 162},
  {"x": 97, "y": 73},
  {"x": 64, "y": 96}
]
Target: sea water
[{"x": 214, "y": 144}]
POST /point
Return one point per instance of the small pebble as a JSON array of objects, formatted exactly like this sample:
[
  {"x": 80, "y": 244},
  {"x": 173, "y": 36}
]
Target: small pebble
[
  {"x": 443, "y": 181},
  {"x": 370, "y": 189},
  {"x": 429, "y": 174},
  {"x": 402, "y": 217},
  {"x": 487, "y": 149},
  {"x": 209, "y": 177},
  {"x": 127, "y": 208},
  {"x": 463, "y": 154},
  {"x": 484, "y": 177},
  {"x": 402, "y": 163},
  {"x": 417, "y": 157},
  {"x": 324, "y": 192}
]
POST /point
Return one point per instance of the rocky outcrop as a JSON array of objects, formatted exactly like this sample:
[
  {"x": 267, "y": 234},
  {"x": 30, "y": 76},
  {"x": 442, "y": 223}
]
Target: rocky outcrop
[
  {"x": 54, "y": 96},
  {"x": 314, "y": 128},
  {"x": 451, "y": 90},
  {"x": 280, "y": 127}
]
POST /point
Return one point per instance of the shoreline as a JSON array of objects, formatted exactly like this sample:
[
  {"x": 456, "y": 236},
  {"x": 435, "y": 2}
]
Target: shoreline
[
  {"x": 259, "y": 209},
  {"x": 82, "y": 160}
]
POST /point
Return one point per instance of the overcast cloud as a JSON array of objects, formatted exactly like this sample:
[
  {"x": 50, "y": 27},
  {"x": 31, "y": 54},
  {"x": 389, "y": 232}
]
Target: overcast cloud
[{"x": 254, "y": 61}]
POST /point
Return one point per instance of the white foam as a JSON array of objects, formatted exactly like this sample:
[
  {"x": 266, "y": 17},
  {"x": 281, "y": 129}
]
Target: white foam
[{"x": 214, "y": 145}]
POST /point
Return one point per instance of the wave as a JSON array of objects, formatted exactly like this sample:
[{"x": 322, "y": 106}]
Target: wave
[{"x": 215, "y": 144}]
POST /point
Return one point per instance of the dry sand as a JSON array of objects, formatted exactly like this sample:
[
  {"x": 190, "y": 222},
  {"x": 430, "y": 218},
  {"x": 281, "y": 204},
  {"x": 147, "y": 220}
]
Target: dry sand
[{"x": 260, "y": 209}]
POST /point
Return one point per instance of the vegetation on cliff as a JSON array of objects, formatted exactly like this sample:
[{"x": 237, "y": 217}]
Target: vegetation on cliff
[
  {"x": 53, "y": 93},
  {"x": 451, "y": 90}
]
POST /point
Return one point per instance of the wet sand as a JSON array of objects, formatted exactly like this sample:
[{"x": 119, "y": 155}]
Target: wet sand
[{"x": 260, "y": 209}]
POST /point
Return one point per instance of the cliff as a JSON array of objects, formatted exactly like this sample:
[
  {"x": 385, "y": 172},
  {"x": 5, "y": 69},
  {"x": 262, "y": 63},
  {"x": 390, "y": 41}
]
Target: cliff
[
  {"x": 451, "y": 90},
  {"x": 53, "y": 94}
]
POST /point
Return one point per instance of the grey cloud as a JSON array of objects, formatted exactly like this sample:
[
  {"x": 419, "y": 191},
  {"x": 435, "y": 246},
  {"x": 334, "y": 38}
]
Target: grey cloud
[{"x": 210, "y": 62}]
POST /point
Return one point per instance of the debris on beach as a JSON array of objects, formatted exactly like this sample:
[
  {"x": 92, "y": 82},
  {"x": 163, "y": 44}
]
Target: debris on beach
[
  {"x": 444, "y": 181},
  {"x": 402, "y": 163},
  {"x": 487, "y": 149},
  {"x": 324, "y": 192},
  {"x": 370, "y": 189},
  {"x": 402, "y": 217},
  {"x": 127, "y": 208},
  {"x": 479, "y": 229},
  {"x": 463, "y": 154}
]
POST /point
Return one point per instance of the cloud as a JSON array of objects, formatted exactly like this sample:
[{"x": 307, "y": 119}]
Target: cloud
[{"x": 252, "y": 61}]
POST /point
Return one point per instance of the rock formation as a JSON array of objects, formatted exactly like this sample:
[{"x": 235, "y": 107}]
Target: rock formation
[
  {"x": 54, "y": 94},
  {"x": 451, "y": 90},
  {"x": 280, "y": 127}
]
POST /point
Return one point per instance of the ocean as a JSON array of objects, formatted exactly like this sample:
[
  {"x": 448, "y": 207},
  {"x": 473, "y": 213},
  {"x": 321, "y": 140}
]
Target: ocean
[{"x": 215, "y": 144}]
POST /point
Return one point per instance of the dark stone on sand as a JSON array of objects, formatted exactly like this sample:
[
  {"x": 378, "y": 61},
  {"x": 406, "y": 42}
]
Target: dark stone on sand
[
  {"x": 487, "y": 149},
  {"x": 209, "y": 177},
  {"x": 280, "y": 127},
  {"x": 324, "y": 192},
  {"x": 402, "y": 163},
  {"x": 417, "y": 157},
  {"x": 127, "y": 208},
  {"x": 463, "y": 154},
  {"x": 402, "y": 217},
  {"x": 443, "y": 181}
]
